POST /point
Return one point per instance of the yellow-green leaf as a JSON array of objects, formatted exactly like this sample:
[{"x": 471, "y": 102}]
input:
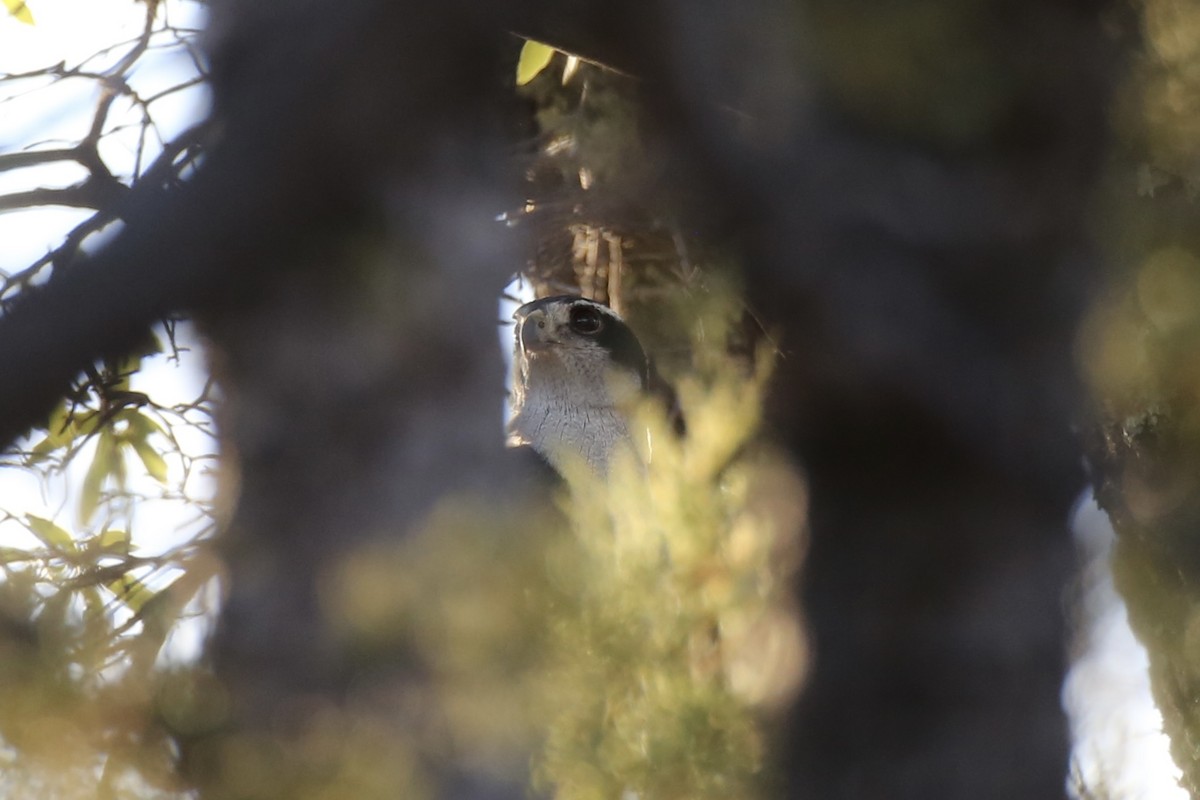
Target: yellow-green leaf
[
  {"x": 19, "y": 10},
  {"x": 63, "y": 431},
  {"x": 132, "y": 592},
  {"x": 139, "y": 423},
  {"x": 155, "y": 465},
  {"x": 103, "y": 464},
  {"x": 50, "y": 534},
  {"x": 123, "y": 369},
  {"x": 9, "y": 555},
  {"x": 60, "y": 418},
  {"x": 535, "y": 57},
  {"x": 42, "y": 449},
  {"x": 137, "y": 435},
  {"x": 113, "y": 540},
  {"x": 58, "y": 433}
]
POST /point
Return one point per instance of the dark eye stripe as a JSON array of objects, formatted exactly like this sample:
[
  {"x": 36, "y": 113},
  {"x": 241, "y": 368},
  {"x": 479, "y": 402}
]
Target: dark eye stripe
[{"x": 616, "y": 337}]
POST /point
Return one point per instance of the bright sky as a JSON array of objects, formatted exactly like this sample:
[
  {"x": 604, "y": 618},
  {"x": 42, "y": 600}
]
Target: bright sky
[
  {"x": 43, "y": 112},
  {"x": 1122, "y": 751}
]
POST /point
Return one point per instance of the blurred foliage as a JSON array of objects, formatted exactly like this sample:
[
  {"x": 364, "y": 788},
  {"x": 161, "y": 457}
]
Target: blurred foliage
[
  {"x": 930, "y": 70},
  {"x": 639, "y": 636},
  {"x": 686, "y": 626},
  {"x": 1140, "y": 350},
  {"x": 99, "y": 596},
  {"x": 87, "y": 611},
  {"x": 1159, "y": 113},
  {"x": 332, "y": 754}
]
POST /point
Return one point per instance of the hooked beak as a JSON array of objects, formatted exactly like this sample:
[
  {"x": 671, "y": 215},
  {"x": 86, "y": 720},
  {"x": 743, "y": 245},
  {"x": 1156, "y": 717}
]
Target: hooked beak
[{"x": 531, "y": 331}]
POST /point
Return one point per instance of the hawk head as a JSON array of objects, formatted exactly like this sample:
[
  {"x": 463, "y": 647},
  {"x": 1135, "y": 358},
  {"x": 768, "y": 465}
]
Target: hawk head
[{"x": 578, "y": 372}]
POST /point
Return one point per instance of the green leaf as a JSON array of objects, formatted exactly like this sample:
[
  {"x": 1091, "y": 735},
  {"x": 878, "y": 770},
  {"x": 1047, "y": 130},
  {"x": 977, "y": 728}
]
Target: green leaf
[
  {"x": 113, "y": 540},
  {"x": 124, "y": 368},
  {"x": 60, "y": 418},
  {"x": 155, "y": 465},
  {"x": 103, "y": 464},
  {"x": 58, "y": 433},
  {"x": 139, "y": 424},
  {"x": 50, "y": 534},
  {"x": 535, "y": 57},
  {"x": 137, "y": 436},
  {"x": 42, "y": 450},
  {"x": 18, "y": 10},
  {"x": 10, "y": 555},
  {"x": 63, "y": 430},
  {"x": 132, "y": 592}
]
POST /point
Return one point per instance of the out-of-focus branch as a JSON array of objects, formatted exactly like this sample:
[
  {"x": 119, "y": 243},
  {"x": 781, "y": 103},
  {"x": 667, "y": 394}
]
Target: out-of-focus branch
[
  {"x": 175, "y": 157},
  {"x": 92, "y": 193},
  {"x": 294, "y": 165},
  {"x": 33, "y": 158}
]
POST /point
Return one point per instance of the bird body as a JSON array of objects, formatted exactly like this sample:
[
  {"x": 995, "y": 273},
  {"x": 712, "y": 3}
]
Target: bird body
[{"x": 578, "y": 374}]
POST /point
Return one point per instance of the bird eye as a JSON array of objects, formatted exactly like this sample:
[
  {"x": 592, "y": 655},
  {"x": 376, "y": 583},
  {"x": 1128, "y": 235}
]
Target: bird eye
[{"x": 586, "y": 320}]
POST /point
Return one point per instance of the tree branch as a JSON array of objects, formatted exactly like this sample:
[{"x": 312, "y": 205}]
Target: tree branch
[
  {"x": 290, "y": 168},
  {"x": 92, "y": 193},
  {"x": 162, "y": 173},
  {"x": 33, "y": 158}
]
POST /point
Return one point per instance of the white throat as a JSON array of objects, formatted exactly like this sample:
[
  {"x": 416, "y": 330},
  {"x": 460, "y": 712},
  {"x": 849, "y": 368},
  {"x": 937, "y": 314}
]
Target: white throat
[{"x": 571, "y": 414}]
